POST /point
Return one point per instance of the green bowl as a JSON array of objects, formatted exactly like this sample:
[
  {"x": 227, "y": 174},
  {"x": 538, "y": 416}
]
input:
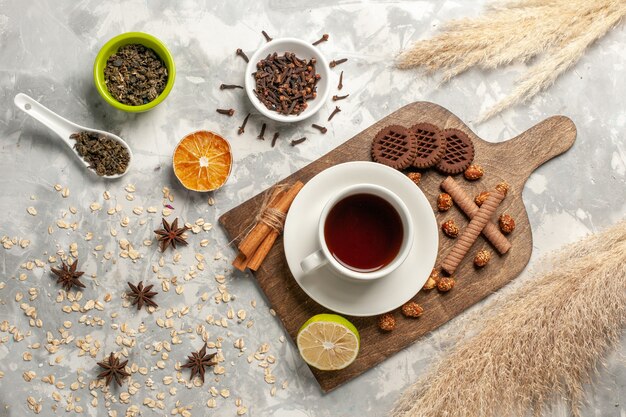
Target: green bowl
[{"x": 111, "y": 47}]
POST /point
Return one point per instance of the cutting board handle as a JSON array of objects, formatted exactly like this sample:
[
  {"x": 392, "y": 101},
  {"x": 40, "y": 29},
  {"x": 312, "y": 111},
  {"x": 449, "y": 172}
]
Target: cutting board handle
[{"x": 542, "y": 142}]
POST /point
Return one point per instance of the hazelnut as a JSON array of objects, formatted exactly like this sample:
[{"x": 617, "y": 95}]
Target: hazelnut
[
  {"x": 416, "y": 177},
  {"x": 482, "y": 258},
  {"x": 474, "y": 172},
  {"x": 387, "y": 322},
  {"x": 444, "y": 202},
  {"x": 431, "y": 282},
  {"x": 507, "y": 224},
  {"x": 412, "y": 309},
  {"x": 445, "y": 284},
  {"x": 481, "y": 198},
  {"x": 450, "y": 228},
  {"x": 503, "y": 187}
]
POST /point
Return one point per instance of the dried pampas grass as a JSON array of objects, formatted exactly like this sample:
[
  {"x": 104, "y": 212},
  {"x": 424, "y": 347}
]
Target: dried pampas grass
[
  {"x": 556, "y": 31},
  {"x": 537, "y": 346}
]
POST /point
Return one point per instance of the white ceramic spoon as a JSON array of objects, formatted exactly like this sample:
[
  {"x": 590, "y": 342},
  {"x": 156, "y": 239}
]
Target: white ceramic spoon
[{"x": 64, "y": 128}]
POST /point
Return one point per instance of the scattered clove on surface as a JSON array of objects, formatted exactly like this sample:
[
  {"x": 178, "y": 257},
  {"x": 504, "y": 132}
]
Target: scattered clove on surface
[
  {"x": 242, "y": 54},
  {"x": 297, "y": 141},
  {"x": 228, "y": 112},
  {"x": 320, "y": 128},
  {"x": 266, "y": 36},
  {"x": 229, "y": 86},
  {"x": 276, "y": 134},
  {"x": 337, "y": 110},
  {"x": 340, "y": 85},
  {"x": 334, "y": 63},
  {"x": 324, "y": 38},
  {"x": 262, "y": 134},
  {"x": 336, "y": 97},
  {"x": 242, "y": 128}
]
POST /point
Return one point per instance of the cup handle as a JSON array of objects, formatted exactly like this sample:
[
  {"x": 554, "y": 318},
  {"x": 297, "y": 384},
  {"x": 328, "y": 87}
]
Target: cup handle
[{"x": 313, "y": 261}]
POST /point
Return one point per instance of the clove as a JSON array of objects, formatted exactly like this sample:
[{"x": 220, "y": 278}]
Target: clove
[
  {"x": 243, "y": 125},
  {"x": 266, "y": 36},
  {"x": 297, "y": 141},
  {"x": 340, "y": 85},
  {"x": 242, "y": 54},
  {"x": 324, "y": 38},
  {"x": 337, "y": 110},
  {"x": 285, "y": 83},
  {"x": 229, "y": 86},
  {"x": 262, "y": 134},
  {"x": 334, "y": 63},
  {"x": 228, "y": 112},
  {"x": 274, "y": 139},
  {"x": 320, "y": 128},
  {"x": 336, "y": 97}
]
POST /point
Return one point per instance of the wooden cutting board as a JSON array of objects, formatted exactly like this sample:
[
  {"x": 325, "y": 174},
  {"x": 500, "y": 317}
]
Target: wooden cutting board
[{"x": 512, "y": 161}]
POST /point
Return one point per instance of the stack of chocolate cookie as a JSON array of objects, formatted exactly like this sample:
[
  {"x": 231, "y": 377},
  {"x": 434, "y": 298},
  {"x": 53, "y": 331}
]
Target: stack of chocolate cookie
[{"x": 422, "y": 146}]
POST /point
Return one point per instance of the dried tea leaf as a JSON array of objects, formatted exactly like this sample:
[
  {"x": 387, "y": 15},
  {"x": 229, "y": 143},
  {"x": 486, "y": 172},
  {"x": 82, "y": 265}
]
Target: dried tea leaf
[
  {"x": 104, "y": 155},
  {"x": 135, "y": 75}
]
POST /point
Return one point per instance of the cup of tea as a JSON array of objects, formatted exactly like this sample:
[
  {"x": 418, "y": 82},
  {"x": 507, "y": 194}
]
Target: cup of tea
[{"x": 365, "y": 232}]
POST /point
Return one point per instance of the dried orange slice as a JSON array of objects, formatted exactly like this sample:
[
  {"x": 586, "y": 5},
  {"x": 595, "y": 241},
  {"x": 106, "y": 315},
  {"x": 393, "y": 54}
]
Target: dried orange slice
[{"x": 202, "y": 161}]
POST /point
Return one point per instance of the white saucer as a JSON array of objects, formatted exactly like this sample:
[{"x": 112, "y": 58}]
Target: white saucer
[{"x": 339, "y": 294}]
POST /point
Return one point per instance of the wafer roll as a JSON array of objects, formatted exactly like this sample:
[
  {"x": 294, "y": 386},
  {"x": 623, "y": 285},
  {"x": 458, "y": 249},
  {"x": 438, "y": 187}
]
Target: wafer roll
[
  {"x": 465, "y": 203},
  {"x": 471, "y": 232}
]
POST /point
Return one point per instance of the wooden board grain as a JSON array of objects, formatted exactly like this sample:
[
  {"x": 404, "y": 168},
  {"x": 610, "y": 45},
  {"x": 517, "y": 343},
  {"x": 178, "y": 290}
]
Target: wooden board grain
[{"x": 512, "y": 161}]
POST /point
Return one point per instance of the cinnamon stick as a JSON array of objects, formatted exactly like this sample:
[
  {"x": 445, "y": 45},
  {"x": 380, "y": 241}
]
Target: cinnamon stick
[
  {"x": 260, "y": 231},
  {"x": 261, "y": 253},
  {"x": 273, "y": 202},
  {"x": 240, "y": 262}
]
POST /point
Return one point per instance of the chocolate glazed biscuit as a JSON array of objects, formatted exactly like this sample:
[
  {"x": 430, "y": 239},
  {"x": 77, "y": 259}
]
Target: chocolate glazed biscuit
[
  {"x": 459, "y": 152},
  {"x": 431, "y": 145},
  {"x": 394, "y": 146}
]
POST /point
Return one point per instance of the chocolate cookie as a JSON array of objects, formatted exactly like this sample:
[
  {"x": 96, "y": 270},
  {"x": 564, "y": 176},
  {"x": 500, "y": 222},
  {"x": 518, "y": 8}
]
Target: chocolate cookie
[
  {"x": 394, "y": 146},
  {"x": 459, "y": 152},
  {"x": 431, "y": 145}
]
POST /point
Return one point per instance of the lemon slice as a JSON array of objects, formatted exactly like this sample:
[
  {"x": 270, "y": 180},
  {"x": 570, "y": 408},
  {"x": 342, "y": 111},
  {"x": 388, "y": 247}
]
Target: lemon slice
[{"x": 328, "y": 342}]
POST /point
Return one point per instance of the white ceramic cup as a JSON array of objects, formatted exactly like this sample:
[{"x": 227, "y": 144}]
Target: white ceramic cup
[{"x": 323, "y": 255}]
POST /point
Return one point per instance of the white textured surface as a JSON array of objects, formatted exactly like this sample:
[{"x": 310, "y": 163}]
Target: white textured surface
[{"x": 47, "y": 52}]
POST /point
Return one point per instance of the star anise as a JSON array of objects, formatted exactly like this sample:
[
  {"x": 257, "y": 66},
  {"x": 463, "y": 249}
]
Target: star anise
[
  {"x": 198, "y": 360},
  {"x": 142, "y": 295},
  {"x": 67, "y": 276},
  {"x": 171, "y": 234},
  {"x": 113, "y": 369}
]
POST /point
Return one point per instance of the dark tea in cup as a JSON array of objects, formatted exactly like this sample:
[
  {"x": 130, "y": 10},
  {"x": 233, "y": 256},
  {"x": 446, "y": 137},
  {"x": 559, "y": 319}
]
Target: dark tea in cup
[{"x": 363, "y": 232}]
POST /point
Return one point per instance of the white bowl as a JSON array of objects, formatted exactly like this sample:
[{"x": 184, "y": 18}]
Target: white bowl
[{"x": 303, "y": 50}]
